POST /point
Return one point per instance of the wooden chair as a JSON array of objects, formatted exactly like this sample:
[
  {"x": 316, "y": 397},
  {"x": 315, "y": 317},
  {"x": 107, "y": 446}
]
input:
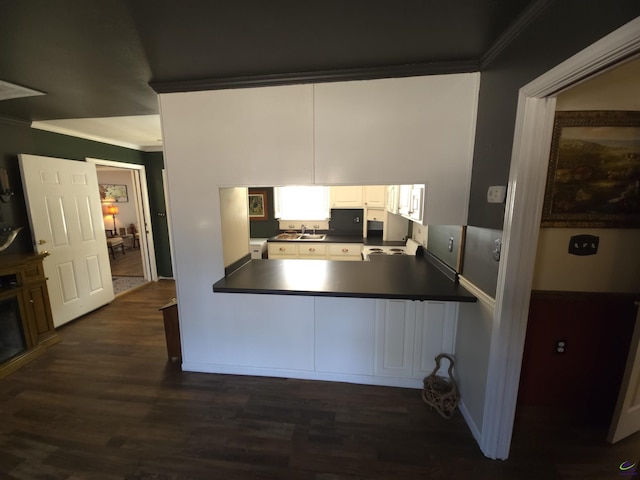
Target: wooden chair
[
  {"x": 113, "y": 243},
  {"x": 136, "y": 235}
]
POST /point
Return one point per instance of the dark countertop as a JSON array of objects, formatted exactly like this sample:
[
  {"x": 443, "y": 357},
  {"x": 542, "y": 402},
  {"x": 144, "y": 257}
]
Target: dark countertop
[
  {"x": 339, "y": 238},
  {"x": 392, "y": 277}
]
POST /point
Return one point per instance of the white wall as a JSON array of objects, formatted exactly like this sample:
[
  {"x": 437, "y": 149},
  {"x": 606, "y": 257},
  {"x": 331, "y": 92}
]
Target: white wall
[
  {"x": 615, "y": 268},
  {"x": 265, "y": 136},
  {"x": 234, "y": 208},
  {"x": 127, "y": 210}
]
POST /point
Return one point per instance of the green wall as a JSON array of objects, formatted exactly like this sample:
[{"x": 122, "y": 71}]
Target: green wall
[{"x": 18, "y": 137}]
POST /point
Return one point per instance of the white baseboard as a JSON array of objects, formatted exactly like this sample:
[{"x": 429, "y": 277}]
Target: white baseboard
[
  {"x": 414, "y": 383},
  {"x": 475, "y": 431}
]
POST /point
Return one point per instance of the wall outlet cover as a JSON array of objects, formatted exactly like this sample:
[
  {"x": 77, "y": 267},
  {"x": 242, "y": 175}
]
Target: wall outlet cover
[{"x": 497, "y": 194}]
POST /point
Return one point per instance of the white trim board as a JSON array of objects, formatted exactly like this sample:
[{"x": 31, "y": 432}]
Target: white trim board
[{"x": 529, "y": 161}]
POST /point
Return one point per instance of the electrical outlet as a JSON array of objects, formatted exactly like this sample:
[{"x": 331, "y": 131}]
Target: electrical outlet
[
  {"x": 561, "y": 346},
  {"x": 497, "y": 249},
  {"x": 450, "y": 245},
  {"x": 497, "y": 194}
]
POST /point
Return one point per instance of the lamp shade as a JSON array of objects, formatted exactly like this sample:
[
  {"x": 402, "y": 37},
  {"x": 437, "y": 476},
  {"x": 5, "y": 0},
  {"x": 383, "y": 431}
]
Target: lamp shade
[{"x": 112, "y": 210}]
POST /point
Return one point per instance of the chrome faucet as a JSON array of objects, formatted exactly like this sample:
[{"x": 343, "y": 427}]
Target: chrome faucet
[{"x": 302, "y": 228}]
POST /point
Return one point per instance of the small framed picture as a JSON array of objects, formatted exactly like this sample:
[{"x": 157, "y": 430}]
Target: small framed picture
[
  {"x": 113, "y": 193},
  {"x": 258, "y": 205}
]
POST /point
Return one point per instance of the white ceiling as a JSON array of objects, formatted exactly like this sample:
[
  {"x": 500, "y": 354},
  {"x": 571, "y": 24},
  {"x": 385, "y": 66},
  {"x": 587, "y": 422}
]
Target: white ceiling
[{"x": 141, "y": 132}]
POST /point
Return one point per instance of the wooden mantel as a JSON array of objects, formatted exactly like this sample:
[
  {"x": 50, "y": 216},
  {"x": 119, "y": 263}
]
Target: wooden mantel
[{"x": 22, "y": 278}]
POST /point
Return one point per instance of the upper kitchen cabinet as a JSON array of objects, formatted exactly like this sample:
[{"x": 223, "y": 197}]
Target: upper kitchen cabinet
[
  {"x": 400, "y": 131},
  {"x": 253, "y": 136},
  {"x": 346, "y": 196}
]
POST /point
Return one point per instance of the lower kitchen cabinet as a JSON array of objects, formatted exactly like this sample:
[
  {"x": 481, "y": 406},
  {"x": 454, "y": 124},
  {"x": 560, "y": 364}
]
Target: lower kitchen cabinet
[
  {"x": 436, "y": 326},
  {"x": 395, "y": 327},
  {"x": 282, "y": 250},
  {"x": 409, "y": 335},
  {"x": 315, "y": 250},
  {"x": 345, "y": 251}
]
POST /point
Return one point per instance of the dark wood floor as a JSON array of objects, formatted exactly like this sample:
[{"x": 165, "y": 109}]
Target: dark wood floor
[{"x": 105, "y": 403}]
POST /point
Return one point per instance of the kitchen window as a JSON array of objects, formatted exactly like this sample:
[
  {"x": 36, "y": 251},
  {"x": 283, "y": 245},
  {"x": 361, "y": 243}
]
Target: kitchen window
[{"x": 302, "y": 203}]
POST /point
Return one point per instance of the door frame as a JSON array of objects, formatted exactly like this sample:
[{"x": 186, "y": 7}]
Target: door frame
[
  {"x": 141, "y": 193},
  {"x": 527, "y": 178}
]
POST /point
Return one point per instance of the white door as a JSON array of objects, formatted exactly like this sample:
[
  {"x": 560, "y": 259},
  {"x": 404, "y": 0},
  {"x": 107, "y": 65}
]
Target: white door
[
  {"x": 626, "y": 417},
  {"x": 66, "y": 220}
]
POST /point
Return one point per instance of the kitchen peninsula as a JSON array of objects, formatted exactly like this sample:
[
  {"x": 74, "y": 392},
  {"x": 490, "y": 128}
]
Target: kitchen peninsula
[{"x": 391, "y": 277}]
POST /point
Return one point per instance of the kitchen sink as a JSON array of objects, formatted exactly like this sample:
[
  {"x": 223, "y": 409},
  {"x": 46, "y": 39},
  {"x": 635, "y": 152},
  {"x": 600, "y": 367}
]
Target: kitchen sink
[
  {"x": 300, "y": 236},
  {"x": 312, "y": 236}
]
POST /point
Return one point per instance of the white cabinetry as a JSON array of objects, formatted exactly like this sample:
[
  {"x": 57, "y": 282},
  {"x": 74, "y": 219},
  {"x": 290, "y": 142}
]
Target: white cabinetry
[
  {"x": 395, "y": 327},
  {"x": 346, "y": 197},
  {"x": 282, "y": 250},
  {"x": 374, "y": 196},
  {"x": 344, "y": 335},
  {"x": 436, "y": 325},
  {"x": 317, "y": 251},
  {"x": 393, "y": 192},
  {"x": 409, "y": 335},
  {"x": 411, "y": 200},
  {"x": 345, "y": 251}
]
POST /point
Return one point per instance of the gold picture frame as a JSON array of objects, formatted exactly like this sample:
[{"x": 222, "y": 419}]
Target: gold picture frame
[
  {"x": 594, "y": 171},
  {"x": 258, "y": 205}
]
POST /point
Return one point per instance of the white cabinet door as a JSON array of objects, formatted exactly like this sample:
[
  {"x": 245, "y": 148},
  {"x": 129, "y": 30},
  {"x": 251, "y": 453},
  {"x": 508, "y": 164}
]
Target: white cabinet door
[
  {"x": 345, "y": 251},
  {"x": 346, "y": 197},
  {"x": 393, "y": 192},
  {"x": 395, "y": 328},
  {"x": 344, "y": 335},
  {"x": 374, "y": 196},
  {"x": 317, "y": 251},
  {"x": 435, "y": 334},
  {"x": 279, "y": 250}
]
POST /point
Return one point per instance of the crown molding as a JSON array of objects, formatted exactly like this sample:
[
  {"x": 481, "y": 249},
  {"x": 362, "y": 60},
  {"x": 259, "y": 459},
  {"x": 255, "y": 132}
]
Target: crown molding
[
  {"x": 533, "y": 11},
  {"x": 321, "y": 76},
  {"x": 14, "y": 122}
]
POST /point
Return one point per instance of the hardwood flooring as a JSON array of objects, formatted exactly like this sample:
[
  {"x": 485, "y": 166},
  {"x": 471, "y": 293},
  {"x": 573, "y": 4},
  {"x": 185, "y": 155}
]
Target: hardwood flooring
[
  {"x": 128, "y": 264},
  {"x": 106, "y": 403}
]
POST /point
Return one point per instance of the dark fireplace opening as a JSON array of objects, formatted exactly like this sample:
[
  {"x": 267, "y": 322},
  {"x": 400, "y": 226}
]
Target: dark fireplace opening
[{"x": 12, "y": 340}]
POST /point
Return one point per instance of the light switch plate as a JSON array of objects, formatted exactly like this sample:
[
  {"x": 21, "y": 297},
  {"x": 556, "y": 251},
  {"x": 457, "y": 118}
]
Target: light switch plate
[{"x": 497, "y": 194}]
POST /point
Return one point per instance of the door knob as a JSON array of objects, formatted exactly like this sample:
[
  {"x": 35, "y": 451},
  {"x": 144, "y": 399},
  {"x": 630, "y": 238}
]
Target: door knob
[
  {"x": 45, "y": 253},
  {"x": 41, "y": 242}
]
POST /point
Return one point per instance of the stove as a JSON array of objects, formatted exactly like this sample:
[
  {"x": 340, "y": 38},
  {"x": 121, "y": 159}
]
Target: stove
[{"x": 409, "y": 249}]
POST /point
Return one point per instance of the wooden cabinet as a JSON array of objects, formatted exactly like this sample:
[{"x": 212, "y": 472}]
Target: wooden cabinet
[
  {"x": 345, "y": 251},
  {"x": 395, "y": 327},
  {"x": 346, "y": 197},
  {"x": 22, "y": 283},
  {"x": 374, "y": 196},
  {"x": 280, "y": 250},
  {"x": 317, "y": 251},
  {"x": 314, "y": 250},
  {"x": 393, "y": 194},
  {"x": 409, "y": 335}
]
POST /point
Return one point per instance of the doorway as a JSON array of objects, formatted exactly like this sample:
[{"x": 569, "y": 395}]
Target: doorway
[
  {"x": 133, "y": 260},
  {"x": 532, "y": 139}
]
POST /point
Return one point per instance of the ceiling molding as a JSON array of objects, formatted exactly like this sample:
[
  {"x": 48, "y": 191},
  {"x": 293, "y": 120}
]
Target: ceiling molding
[
  {"x": 15, "y": 122},
  {"x": 527, "y": 17},
  {"x": 95, "y": 138},
  {"x": 392, "y": 71}
]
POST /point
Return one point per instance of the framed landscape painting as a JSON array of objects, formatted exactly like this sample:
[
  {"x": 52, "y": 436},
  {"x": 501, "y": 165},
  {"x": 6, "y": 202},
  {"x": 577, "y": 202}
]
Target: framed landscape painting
[
  {"x": 594, "y": 170},
  {"x": 113, "y": 193},
  {"x": 258, "y": 205}
]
